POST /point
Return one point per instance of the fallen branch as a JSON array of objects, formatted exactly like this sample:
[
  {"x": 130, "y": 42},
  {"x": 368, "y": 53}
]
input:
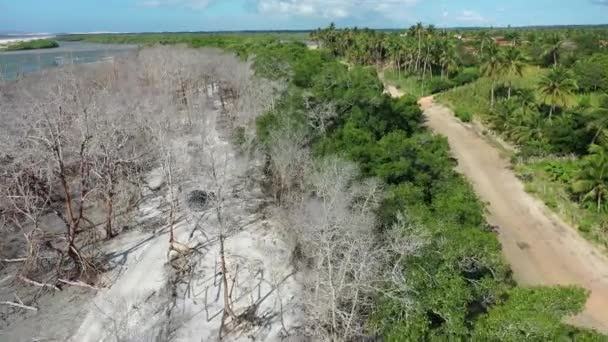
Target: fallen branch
[
  {"x": 78, "y": 283},
  {"x": 22, "y": 306},
  {"x": 14, "y": 260},
  {"x": 18, "y": 299},
  {"x": 35, "y": 283}
]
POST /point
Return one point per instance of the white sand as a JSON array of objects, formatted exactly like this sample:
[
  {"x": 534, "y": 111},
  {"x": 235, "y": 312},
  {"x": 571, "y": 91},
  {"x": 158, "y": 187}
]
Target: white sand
[
  {"x": 143, "y": 303},
  {"x": 9, "y": 41}
]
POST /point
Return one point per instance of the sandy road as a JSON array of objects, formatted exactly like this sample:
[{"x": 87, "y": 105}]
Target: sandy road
[{"x": 541, "y": 249}]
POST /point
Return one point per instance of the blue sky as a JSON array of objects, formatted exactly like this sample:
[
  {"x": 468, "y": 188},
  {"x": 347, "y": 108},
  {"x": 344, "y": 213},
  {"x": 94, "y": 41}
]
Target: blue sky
[{"x": 207, "y": 15}]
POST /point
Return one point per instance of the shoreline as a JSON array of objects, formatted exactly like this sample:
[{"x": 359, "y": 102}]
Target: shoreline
[{"x": 4, "y": 42}]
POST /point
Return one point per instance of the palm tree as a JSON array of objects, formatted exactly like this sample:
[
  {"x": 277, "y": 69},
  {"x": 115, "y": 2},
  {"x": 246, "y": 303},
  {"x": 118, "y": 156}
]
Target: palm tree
[
  {"x": 513, "y": 65},
  {"x": 429, "y": 42},
  {"x": 526, "y": 99},
  {"x": 557, "y": 87},
  {"x": 599, "y": 118},
  {"x": 417, "y": 31},
  {"x": 483, "y": 37},
  {"x": 492, "y": 68},
  {"x": 592, "y": 180},
  {"x": 554, "y": 48},
  {"x": 448, "y": 61}
]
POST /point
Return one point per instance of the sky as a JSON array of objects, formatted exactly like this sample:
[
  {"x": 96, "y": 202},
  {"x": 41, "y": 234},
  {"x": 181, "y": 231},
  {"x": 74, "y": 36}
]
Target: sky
[{"x": 219, "y": 15}]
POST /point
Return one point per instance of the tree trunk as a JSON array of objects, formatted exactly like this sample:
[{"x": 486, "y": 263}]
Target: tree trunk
[
  {"x": 74, "y": 253},
  {"x": 492, "y": 95},
  {"x": 554, "y": 59},
  {"x": 109, "y": 214},
  {"x": 227, "y": 313},
  {"x": 419, "y": 51}
]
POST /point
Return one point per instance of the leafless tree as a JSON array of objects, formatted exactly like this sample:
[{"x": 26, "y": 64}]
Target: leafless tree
[
  {"x": 26, "y": 201},
  {"x": 80, "y": 127},
  {"x": 344, "y": 258},
  {"x": 320, "y": 115},
  {"x": 289, "y": 160}
]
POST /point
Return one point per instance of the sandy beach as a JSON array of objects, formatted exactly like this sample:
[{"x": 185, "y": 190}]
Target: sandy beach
[{"x": 8, "y": 40}]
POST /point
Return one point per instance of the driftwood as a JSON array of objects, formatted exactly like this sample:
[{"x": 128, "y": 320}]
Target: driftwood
[
  {"x": 22, "y": 306},
  {"x": 78, "y": 283},
  {"x": 13, "y": 260},
  {"x": 35, "y": 283}
]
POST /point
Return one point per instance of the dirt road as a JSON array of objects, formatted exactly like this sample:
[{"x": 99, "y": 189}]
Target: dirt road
[{"x": 541, "y": 249}]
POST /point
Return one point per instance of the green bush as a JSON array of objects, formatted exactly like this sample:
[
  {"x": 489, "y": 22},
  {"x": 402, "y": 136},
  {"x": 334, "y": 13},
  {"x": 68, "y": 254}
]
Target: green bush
[
  {"x": 466, "y": 76},
  {"x": 592, "y": 73},
  {"x": 438, "y": 85},
  {"x": 463, "y": 115}
]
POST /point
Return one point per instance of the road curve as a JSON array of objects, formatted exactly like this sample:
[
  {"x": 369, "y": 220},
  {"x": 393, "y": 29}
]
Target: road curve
[{"x": 541, "y": 248}]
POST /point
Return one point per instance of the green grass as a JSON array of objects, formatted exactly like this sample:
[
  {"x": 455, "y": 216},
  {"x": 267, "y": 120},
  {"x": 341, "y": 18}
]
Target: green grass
[
  {"x": 33, "y": 45},
  {"x": 475, "y": 97},
  {"x": 539, "y": 181},
  {"x": 409, "y": 85}
]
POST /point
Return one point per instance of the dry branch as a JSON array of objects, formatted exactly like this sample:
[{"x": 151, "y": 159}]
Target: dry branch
[
  {"x": 14, "y": 260},
  {"x": 78, "y": 283},
  {"x": 35, "y": 283},
  {"x": 22, "y": 306}
]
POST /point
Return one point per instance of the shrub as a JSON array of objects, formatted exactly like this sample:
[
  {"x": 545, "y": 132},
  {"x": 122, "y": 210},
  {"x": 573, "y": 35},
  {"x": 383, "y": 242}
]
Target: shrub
[
  {"x": 238, "y": 137},
  {"x": 437, "y": 85},
  {"x": 463, "y": 115},
  {"x": 466, "y": 76},
  {"x": 592, "y": 73}
]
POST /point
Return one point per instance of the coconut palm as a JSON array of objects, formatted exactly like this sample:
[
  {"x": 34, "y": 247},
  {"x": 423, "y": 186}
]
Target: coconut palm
[
  {"x": 484, "y": 38},
  {"x": 599, "y": 118},
  {"x": 592, "y": 180},
  {"x": 557, "y": 87},
  {"x": 527, "y": 100},
  {"x": 554, "y": 48},
  {"x": 418, "y": 30},
  {"x": 492, "y": 68},
  {"x": 513, "y": 65}
]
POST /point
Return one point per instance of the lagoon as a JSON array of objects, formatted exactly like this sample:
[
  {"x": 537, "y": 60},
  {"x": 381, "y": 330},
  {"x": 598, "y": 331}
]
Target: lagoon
[{"x": 15, "y": 63}]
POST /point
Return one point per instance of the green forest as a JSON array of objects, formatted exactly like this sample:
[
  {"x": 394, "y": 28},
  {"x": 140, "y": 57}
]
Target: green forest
[
  {"x": 544, "y": 91},
  {"x": 539, "y": 89},
  {"x": 460, "y": 286}
]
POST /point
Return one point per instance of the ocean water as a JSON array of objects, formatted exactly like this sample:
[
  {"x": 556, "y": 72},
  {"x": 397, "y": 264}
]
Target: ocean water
[{"x": 14, "y": 63}]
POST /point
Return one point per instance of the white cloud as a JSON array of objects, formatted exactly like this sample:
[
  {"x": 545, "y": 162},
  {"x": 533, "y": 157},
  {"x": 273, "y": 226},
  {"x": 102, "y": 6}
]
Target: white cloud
[
  {"x": 468, "y": 15},
  {"x": 336, "y": 9},
  {"x": 195, "y": 4}
]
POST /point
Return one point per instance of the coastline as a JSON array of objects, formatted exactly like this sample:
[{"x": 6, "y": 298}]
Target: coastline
[{"x": 8, "y": 40}]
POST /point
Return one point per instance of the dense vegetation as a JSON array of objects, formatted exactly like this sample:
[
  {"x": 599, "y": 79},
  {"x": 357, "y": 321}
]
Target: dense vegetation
[
  {"x": 553, "y": 107},
  {"x": 240, "y": 43},
  {"x": 33, "y": 45},
  {"x": 457, "y": 285},
  {"x": 543, "y": 90},
  {"x": 454, "y": 283}
]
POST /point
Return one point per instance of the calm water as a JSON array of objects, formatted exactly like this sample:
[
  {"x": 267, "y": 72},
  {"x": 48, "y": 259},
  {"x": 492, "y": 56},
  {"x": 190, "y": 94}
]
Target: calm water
[{"x": 18, "y": 62}]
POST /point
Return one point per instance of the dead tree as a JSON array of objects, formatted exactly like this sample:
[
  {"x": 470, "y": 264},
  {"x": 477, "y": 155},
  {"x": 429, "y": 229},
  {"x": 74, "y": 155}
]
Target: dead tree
[
  {"x": 344, "y": 261},
  {"x": 26, "y": 201},
  {"x": 289, "y": 160}
]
